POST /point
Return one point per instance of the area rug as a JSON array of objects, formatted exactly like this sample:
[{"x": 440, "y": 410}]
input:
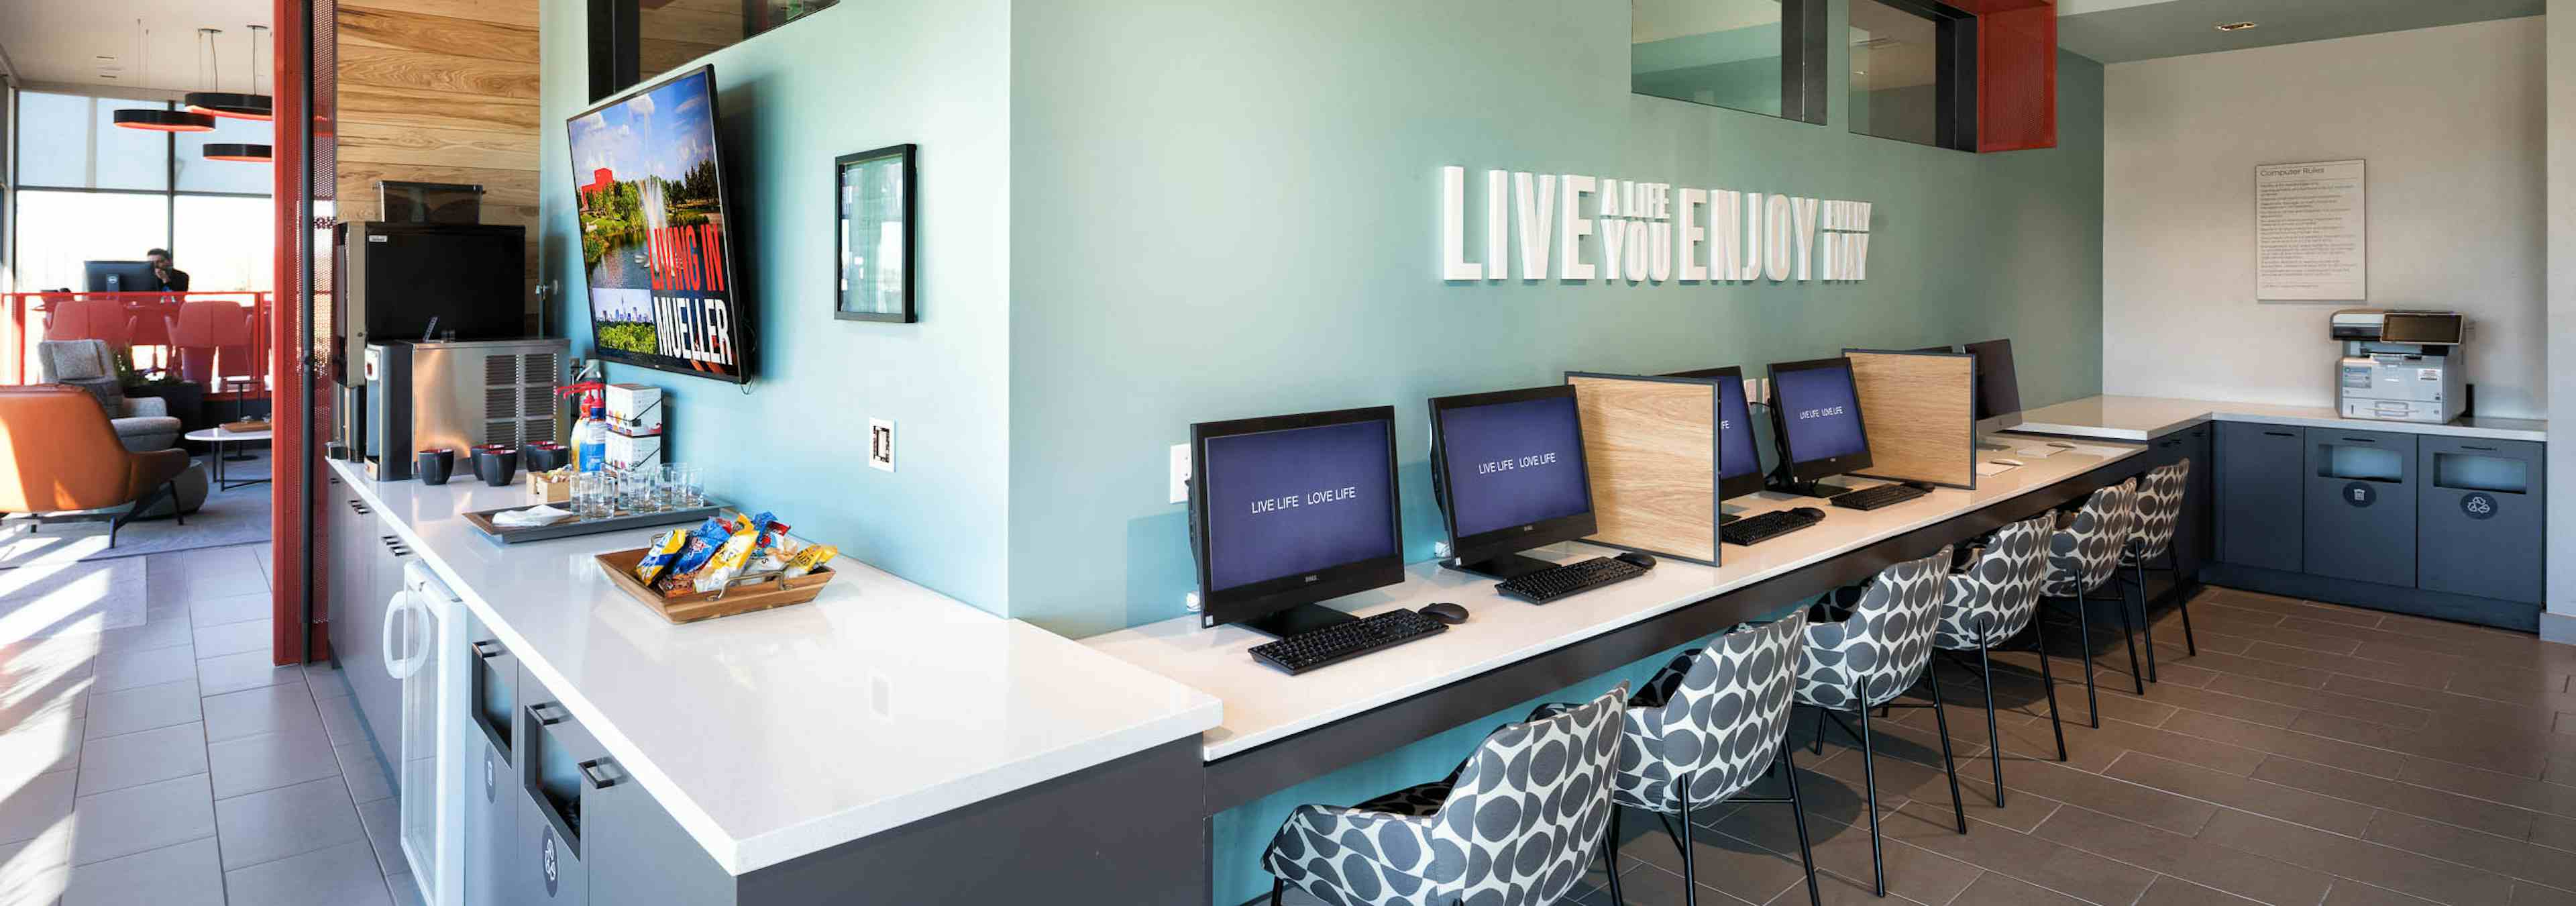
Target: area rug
[{"x": 237, "y": 516}]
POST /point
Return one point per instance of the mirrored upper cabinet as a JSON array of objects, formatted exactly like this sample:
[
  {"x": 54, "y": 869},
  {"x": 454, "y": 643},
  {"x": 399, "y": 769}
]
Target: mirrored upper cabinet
[
  {"x": 632, "y": 41},
  {"x": 1758, "y": 56},
  {"x": 1912, "y": 72}
]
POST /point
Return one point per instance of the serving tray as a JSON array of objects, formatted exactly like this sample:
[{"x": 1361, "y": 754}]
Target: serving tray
[
  {"x": 481, "y": 520},
  {"x": 744, "y": 596}
]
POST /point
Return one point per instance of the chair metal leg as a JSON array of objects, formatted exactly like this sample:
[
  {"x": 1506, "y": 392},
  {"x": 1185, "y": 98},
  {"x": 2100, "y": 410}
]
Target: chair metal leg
[
  {"x": 2129, "y": 637},
  {"x": 1690, "y": 878},
  {"x": 1278, "y": 888},
  {"x": 1610, "y": 857},
  {"x": 1819, "y": 741},
  {"x": 2182, "y": 602},
  {"x": 1869, "y": 778},
  {"x": 2084, "y": 624},
  {"x": 2048, "y": 684},
  {"x": 1941, "y": 722},
  {"x": 1994, "y": 738},
  {"x": 1798, "y": 808},
  {"x": 2146, "y": 618}
]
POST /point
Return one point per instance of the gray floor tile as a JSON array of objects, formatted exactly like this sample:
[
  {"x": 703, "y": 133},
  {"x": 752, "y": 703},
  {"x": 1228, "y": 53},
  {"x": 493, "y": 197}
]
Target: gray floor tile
[
  {"x": 267, "y": 709},
  {"x": 36, "y": 871},
  {"x": 343, "y": 875},
  {"x": 223, "y": 588},
  {"x": 133, "y": 669},
  {"x": 405, "y": 892},
  {"x": 144, "y": 708},
  {"x": 234, "y": 638},
  {"x": 366, "y": 774},
  {"x": 41, "y": 746},
  {"x": 141, "y": 818},
  {"x": 325, "y": 680},
  {"x": 340, "y": 717},
  {"x": 37, "y": 805},
  {"x": 182, "y": 875},
  {"x": 287, "y": 821},
  {"x": 152, "y": 634},
  {"x": 134, "y": 759},
  {"x": 270, "y": 760},
  {"x": 383, "y": 819},
  {"x": 248, "y": 670}
]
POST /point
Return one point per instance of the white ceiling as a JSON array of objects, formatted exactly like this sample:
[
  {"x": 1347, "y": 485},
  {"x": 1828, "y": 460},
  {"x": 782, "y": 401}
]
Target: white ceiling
[
  {"x": 2118, "y": 31},
  {"x": 59, "y": 42}
]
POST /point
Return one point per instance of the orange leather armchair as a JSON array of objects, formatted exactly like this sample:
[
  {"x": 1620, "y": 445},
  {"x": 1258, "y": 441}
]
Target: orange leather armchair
[{"x": 58, "y": 453}]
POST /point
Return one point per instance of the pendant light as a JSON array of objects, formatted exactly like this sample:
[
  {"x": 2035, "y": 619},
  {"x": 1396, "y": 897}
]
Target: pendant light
[
  {"x": 251, "y": 106},
  {"x": 247, "y": 153},
  {"x": 152, "y": 119}
]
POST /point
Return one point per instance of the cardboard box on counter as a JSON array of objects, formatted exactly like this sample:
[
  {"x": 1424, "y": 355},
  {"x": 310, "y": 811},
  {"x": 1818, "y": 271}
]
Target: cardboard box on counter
[
  {"x": 627, "y": 451},
  {"x": 549, "y": 487},
  {"x": 634, "y": 410}
]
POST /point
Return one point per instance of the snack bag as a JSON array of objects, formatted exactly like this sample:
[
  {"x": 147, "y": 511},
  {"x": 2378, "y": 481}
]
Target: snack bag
[
  {"x": 771, "y": 530},
  {"x": 812, "y": 556},
  {"x": 775, "y": 558},
  {"x": 728, "y": 560},
  {"x": 658, "y": 556},
  {"x": 701, "y": 547}
]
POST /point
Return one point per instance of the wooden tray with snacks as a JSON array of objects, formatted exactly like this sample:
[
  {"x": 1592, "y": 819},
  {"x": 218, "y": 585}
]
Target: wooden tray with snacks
[{"x": 760, "y": 593}]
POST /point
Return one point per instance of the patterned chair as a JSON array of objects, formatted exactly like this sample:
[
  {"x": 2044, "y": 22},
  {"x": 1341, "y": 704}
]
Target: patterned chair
[
  {"x": 1543, "y": 785},
  {"x": 2081, "y": 558},
  {"x": 143, "y": 424},
  {"x": 1712, "y": 722},
  {"x": 1874, "y": 655},
  {"x": 1991, "y": 600},
  {"x": 2159, "y": 511}
]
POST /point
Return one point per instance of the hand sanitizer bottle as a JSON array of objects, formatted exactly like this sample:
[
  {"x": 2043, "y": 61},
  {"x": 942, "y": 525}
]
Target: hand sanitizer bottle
[{"x": 591, "y": 436}]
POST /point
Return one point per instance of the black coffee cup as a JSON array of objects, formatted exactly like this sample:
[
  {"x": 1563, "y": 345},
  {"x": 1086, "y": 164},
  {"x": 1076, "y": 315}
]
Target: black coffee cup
[
  {"x": 433, "y": 466},
  {"x": 497, "y": 467},
  {"x": 542, "y": 457}
]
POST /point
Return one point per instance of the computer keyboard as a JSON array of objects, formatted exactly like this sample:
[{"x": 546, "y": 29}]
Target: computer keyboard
[
  {"x": 1752, "y": 530},
  {"x": 1568, "y": 579},
  {"x": 1882, "y": 495},
  {"x": 1341, "y": 641}
]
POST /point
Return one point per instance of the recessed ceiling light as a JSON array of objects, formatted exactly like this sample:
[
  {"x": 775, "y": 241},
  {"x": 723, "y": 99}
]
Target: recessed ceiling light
[{"x": 2235, "y": 26}]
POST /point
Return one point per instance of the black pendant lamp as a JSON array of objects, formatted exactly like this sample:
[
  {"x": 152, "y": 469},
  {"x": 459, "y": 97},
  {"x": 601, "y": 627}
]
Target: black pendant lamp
[
  {"x": 246, "y": 153},
  {"x": 236, "y": 105},
  {"x": 152, "y": 119}
]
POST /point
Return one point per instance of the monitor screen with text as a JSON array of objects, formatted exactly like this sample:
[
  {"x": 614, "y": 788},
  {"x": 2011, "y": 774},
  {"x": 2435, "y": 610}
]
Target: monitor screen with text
[
  {"x": 1820, "y": 412},
  {"x": 1297, "y": 501},
  {"x": 1735, "y": 456},
  {"x": 1512, "y": 464}
]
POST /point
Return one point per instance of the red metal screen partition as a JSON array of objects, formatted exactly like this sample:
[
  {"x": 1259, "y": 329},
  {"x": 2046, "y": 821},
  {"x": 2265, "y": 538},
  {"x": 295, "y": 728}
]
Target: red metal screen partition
[
  {"x": 2016, "y": 73},
  {"x": 292, "y": 511}
]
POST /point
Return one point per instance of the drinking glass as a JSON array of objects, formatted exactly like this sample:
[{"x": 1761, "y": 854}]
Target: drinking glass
[
  {"x": 590, "y": 495},
  {"x": 635, "y": 490},
  {"x": 670, "y": 495},
  {"x": 689, "y": 485}
]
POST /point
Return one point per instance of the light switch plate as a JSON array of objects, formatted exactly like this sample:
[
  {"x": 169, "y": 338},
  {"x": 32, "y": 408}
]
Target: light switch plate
[
  {"x": 1180, "y": 473},
  {"x": 881, "y": 444}
]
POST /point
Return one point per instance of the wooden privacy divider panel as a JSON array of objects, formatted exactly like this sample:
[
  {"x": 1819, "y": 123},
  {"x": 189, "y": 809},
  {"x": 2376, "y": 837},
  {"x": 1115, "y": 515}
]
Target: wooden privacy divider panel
[
  {"x": 1650, "y": 445},
  {"x": 1920, "y": 411}
]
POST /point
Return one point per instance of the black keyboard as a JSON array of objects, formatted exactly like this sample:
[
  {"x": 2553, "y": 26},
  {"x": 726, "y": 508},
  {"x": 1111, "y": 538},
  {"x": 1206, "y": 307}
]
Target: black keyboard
[
  {"x": 1568, "y": 579},
  {"x": 1882, "y": 495},
  {"x": 1752, "y": 530},
  {"x": 1317, "y": 647}
]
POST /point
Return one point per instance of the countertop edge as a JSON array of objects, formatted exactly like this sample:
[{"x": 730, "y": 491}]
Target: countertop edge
[{"x": 2216, "y": 411}]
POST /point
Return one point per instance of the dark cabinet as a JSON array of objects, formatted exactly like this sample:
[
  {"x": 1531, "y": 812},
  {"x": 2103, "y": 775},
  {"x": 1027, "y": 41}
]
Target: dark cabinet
[
  {"x": 2479, "y": 517},
  {"x": 2361, "y": 505},
  {"x": 2196, "y": 539},
  {"x": 2261, "y": 490}
]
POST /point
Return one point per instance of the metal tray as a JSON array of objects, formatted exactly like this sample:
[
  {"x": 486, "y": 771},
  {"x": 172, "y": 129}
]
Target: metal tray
[{"x": 481, "y": 520}]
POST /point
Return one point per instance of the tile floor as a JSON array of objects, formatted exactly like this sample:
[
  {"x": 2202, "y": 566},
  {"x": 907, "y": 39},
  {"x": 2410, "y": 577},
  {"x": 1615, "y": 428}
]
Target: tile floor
[
  {"x": 149, "y": 754},
  {"x": 2309, "y": 754}
]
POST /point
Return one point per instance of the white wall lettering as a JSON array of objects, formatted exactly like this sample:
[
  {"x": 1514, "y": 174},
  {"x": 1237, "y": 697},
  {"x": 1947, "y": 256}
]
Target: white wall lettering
[
  {"x": 1572, "y": 227},
  {"x": 1646, "y": 235}
]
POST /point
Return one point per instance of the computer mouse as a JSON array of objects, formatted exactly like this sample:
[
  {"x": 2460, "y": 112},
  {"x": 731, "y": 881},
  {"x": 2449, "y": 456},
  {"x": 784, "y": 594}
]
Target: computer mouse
[
  {"x": 2007, "y": 462},
  {"x": 1445, "y": 612},
  {"x": 1638, "y": 559},
  {"x": 1809, "y": 512}
]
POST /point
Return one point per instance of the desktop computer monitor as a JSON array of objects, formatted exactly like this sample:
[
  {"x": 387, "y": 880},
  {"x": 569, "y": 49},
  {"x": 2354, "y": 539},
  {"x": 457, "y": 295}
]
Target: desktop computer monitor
[
  {"x": 1739, "y": 468},
  {"x": 1815, "y": 416},
  {"x": 119, "y": 277},
  {"x": 1998, "y": 391},
  {"x": 1508, "y": 470},
  {"x": 1289, "y": 510}
]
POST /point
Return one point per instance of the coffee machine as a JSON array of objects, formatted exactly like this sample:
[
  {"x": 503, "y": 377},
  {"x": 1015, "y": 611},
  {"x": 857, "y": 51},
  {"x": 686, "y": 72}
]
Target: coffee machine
[
  {"x": 455, "y": 395},
  {"x": 2400, "y": 365}
]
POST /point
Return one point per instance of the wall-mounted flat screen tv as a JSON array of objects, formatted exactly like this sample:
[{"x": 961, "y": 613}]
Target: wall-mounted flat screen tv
[{"x": 656, "y": 237}]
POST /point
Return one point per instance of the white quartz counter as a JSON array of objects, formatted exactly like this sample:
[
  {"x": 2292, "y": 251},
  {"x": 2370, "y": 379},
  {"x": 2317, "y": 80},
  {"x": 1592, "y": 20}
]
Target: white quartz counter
[
  {"x": 2139, "y": 418},
  {"x": 779, "y": 733}
]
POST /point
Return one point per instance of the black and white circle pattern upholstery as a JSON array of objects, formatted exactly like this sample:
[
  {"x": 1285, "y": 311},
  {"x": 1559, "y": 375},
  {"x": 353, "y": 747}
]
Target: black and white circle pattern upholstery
[
  {"x": 1513, "y": 826},
  {"x": 1995, "y": 597},
  {"x": 2159, "y": 510},
  {"x": 2083, "y": 555},
  {"x": 1716, "y": 715},
  {"x": 1877, "y": 652}
]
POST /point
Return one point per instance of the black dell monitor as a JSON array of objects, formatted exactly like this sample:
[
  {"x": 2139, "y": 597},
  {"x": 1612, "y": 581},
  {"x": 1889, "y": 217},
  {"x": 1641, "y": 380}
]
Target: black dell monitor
[
  {"x": 1289, "y": 510},
  {"x": 1998, "y": 391},
  {"x": 1508, "y": 470},
  {"x": 119, "y": 277},
  {"x": 1739, "y": 467},
  {"x": 1815, "y": 416}
]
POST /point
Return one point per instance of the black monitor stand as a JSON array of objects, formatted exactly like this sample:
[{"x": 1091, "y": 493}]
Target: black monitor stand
[
  {"x": 1809, "y": 488},
  {"x": 1505, "y": 567},
  {"x": 1299, "y": 619}
]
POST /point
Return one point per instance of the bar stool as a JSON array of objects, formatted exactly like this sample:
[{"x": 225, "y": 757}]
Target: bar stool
[
  {"x": 2159, "y": 511},
  {"x": 1467, "y": 838},
  {"x": 2083, "y": 556},
  {"x": 1868, "y": 659},
  {"x": 1989, "y": 601}
]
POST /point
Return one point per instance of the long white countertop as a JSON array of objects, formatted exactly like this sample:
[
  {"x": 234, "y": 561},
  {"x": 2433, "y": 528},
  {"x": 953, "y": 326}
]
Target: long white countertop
[
  {"x": 2140, "y": 418},
  {"x": 1263, "y": 705},
  {"x": 775, "y": 734}
]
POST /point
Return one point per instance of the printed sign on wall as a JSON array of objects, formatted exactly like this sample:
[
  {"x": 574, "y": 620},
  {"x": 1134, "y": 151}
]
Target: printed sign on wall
[
  {"x": 2311, "y": 240},
  {"x": 1649, "y": 231}
]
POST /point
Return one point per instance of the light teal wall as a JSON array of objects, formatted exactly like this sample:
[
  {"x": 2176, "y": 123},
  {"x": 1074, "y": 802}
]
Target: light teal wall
[
  {"x": 1225, "y": 210},
  {"x": 863, "y": 74}
]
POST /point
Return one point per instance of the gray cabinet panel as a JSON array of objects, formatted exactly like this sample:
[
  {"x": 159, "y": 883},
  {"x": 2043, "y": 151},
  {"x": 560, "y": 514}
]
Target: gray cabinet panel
[
  {"x": 2479, "y": 517},
  {"x": 553, "y": 752},
  {"x": 2361, "y": 505},
  {"x": 362, "y": 663},
  {"x": 491, "y": 825},
  {"x": 2261, "y": 493},
  {"x": 2196, "y": 538},
  {"x": 639, "y": 854},
  {"x": 547, "y": 870}
]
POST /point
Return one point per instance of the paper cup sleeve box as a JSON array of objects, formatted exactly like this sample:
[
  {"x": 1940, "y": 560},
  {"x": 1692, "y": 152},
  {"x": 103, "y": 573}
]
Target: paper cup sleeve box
[{"x": 635, "y": 410}]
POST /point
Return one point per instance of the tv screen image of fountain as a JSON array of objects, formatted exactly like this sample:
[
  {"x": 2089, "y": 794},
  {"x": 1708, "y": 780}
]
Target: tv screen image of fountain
[{"x": 656, "y": 251}]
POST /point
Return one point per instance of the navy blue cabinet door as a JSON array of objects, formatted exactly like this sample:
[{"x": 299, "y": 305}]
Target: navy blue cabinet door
[
  {"x": 2261, "y": 495},
  {"x": 2361, "y": 505},
  {"x": 2479, "y": 514}
]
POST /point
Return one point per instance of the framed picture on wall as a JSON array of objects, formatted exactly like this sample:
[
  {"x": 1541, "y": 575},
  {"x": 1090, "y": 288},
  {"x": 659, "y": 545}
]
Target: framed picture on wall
[{"x": 872, "y": 263}]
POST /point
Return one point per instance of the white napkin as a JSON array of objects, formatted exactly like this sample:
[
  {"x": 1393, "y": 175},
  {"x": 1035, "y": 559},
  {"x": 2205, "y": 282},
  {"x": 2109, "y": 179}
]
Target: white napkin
[{"x": 535, "y": 515}]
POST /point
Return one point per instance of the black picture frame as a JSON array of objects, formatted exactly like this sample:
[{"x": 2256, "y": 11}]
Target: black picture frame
[{"x": 903, "y": 159}]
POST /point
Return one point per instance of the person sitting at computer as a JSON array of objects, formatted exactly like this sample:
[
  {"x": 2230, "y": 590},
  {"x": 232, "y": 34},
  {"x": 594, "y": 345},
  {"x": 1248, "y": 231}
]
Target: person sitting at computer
[{"x": 170, "y": 279}]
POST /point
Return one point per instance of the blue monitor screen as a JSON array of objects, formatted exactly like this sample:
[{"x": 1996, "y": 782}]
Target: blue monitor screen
[
  {"x": 1735, "y": 454},
  {"x": 1512, "y": 464},
  {"x": 1286, "y": 502},
  {"x": 1820, "y": 412}
]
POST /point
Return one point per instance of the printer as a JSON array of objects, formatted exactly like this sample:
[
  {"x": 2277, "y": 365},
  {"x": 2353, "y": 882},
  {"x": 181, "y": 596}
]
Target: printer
[{"x": 2400, "y": 364}]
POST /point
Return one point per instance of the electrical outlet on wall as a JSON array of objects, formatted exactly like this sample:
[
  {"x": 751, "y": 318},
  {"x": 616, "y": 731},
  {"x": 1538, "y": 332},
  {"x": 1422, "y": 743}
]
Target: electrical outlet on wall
[
  {"x": 1180, "y": 492},
  {"x": 881, "y": 444}
]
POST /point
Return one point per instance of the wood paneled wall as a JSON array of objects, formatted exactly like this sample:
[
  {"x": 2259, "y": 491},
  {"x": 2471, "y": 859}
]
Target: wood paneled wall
[{"x": 440, "y": 91}]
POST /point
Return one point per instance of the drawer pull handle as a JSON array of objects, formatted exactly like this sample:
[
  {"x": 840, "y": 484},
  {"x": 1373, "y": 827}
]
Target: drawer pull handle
[
  {"x": 536, "y": 712},
  {"x": 2361, "y": 440},
  {"x": 599, "y": 781},
  {"x": 2480, "y": 449},
  {"x": 488, "y": 650},
  {"x": 2280, "y": 434}
]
